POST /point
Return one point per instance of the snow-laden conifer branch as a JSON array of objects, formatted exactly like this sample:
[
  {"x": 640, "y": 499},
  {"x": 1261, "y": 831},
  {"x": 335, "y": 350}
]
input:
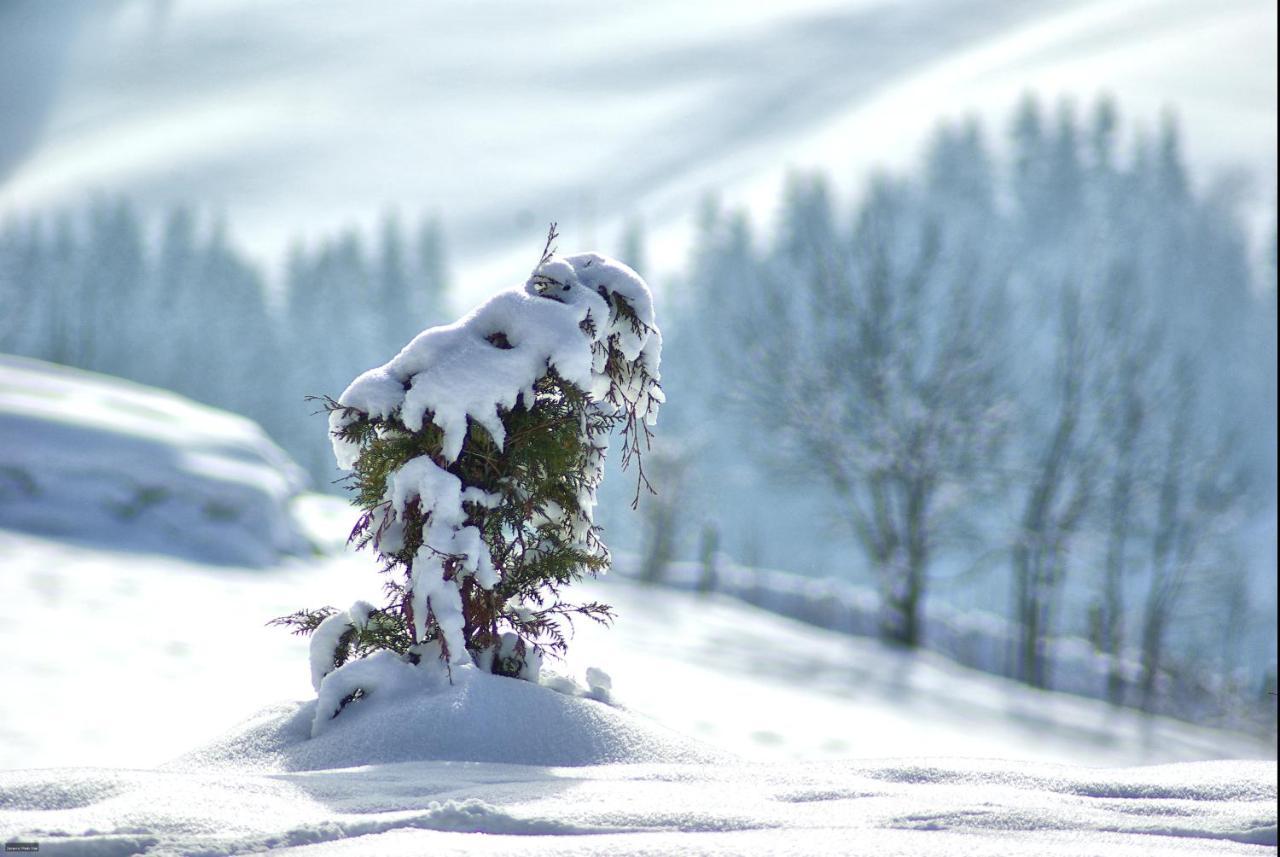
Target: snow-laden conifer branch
[{"x": 474, "y": 456}]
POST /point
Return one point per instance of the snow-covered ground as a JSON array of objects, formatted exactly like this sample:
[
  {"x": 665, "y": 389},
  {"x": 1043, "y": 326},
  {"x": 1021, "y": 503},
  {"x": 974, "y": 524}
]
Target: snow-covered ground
[
  {"x": 179, "y": 653},
  {"x": 976, "y": 637},
  {"x": 147, "y": 708},
  {"x": 503, "y": 117},
  {"x": 756, "y": 733},
  {"x": 908, "y": 754},
  {"x": 888, "y": 807}
]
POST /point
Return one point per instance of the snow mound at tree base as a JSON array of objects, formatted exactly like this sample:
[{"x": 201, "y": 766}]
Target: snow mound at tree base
[{"x": 480, "y": 718}]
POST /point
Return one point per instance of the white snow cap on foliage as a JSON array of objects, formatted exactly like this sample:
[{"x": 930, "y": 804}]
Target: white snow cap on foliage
[
  {"x": 325, "y": 638},
  {"x": 445, "y": 537},
  {"x": 383, "y": 673},
  {"x": 452, "y": 372},
  {"x": 531, "y": 666}
]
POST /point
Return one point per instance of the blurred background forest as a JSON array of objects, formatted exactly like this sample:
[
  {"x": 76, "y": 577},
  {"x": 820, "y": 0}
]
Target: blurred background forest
[{"x": 1011, "y": 398}]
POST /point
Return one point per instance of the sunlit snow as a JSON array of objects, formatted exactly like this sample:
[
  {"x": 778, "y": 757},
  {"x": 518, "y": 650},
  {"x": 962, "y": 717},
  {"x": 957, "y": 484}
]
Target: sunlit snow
[{"x": 148, "y": 710}]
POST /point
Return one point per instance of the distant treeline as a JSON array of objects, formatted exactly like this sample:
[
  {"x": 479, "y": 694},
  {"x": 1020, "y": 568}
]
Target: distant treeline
[
  {"x": 186, "y": 311},
  {"x": 1048, "y": 378}
]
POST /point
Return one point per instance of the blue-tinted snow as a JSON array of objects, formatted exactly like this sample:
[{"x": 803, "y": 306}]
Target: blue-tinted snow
[{"x": 95, "y": 459}]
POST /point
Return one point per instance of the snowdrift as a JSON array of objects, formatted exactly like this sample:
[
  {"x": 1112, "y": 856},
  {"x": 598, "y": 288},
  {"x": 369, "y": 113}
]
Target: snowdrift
[
  {"x": 94, "y": 459},
  {"x": 479, "y": 718}
]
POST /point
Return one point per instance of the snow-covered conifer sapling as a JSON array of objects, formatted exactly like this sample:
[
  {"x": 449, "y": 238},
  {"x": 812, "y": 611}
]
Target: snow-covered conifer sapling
[{"x": 474, "y": 456}]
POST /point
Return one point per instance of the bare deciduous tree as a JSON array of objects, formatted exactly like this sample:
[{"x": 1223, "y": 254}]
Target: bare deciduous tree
[
  {"x": 1059, "y": 486},
  {"x": 864, "y": 363}
]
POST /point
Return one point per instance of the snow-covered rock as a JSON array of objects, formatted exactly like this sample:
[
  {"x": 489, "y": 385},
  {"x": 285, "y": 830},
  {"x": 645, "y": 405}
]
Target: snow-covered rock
[{"x": 91, "y": 458}]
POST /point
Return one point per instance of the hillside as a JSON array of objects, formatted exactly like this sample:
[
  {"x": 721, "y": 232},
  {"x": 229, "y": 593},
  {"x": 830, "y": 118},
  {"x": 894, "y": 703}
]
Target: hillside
[
  {"x": 731, "y": 731},
  {"x": 748, "y": 681},
  {"x": 502, "y": 121}
]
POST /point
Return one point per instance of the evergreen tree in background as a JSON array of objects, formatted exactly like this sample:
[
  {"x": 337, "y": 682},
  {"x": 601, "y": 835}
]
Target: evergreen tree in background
[{"x": 84, "y": 289}]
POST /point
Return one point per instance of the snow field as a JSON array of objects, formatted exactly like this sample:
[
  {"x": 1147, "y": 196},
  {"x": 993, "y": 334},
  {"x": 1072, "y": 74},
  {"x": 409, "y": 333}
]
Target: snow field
[
  {"x": 170, "y": 654},
  {"x": 919, "y": 807},
  {"x": 416, "y": 772},
  {"x": 711, "y": 702},
  {"x": 969, "y": 638}
]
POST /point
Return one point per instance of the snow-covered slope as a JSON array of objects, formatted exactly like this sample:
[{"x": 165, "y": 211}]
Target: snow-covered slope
[
  {"x": 423, "y": 775},
  {"x": 715, "y": 706},
  {"x": 180, "y": 653},
  {"x": 727, "y": 730},
  {"x": 503, "y": 117},
  {"x": 96, "y": 459}
]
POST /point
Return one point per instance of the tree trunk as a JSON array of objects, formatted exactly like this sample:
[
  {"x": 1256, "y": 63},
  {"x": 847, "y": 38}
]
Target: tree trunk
[
  {"x": 661, "y": 542},
  {"x": 1031, "y": 611},
  {"x": 709, "y": 551},
  {"x": 1018, "y": 611},
  {"x": 1111, "y": 638},
  {"x": 1152, "y": 651}
]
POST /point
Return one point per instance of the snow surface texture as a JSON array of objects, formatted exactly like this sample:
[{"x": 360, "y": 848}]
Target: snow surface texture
[
  {"x": 93, "y": 458},
  {"x": 887, "y": 807},
  {"x": 755, "y": 683},
  {"x": 475, "y": 369}
]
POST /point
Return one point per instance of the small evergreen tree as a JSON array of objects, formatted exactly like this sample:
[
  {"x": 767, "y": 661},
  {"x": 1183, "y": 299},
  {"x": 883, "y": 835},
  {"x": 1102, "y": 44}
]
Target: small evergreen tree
[{"x": 474, "y": 457}]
